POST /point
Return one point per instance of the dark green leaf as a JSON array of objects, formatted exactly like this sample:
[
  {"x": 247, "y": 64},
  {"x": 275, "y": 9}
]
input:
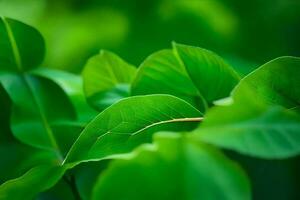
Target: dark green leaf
[
  {"x": 37, "y": 104},
  {"x": 106, "y": 79},
  {"x": 36, "y": 180},
  {"x": 72, "y": 86},
  {"x": 173, "y": 168},
  {"x": 21, "y": 46},
  {"x": 129, "y": 123}
]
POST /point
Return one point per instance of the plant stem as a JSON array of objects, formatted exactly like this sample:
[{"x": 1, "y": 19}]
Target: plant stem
[{"x": 71, "y": 182}]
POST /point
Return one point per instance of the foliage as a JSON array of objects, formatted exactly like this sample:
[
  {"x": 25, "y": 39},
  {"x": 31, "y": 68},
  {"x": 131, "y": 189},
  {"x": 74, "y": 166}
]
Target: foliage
[{"x": 92, "y": 138}]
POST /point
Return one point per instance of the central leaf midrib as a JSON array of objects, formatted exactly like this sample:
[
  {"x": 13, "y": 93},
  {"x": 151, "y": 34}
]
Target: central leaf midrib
[
  {"x": 193, "y": 119},
  {"x": 43, "y": 116},
  {"x": 14, "y": 45}
]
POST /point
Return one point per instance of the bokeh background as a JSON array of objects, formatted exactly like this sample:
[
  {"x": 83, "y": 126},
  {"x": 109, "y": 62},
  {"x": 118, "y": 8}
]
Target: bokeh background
[{"x": 246, "y": 33}]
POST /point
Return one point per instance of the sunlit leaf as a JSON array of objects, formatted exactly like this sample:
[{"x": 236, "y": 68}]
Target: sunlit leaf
[{"x": 129, "y": 123}]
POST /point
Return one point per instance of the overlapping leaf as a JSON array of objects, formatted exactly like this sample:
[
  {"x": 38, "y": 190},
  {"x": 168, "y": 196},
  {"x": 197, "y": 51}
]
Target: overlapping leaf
[
  {"x": 261, "y": 122},
  {"x": 129, "y": 123},
  {"x": 21, "y": 47},
  {"x": 36, "y": 180},
  {"x": 173, "y": 168},
  {"x": 194, "y": 74},
  {"x": 107, "y": 79}
]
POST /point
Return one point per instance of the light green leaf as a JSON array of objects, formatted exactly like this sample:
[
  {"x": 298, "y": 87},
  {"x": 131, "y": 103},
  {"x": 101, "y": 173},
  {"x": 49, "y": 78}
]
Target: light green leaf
[
  {"x": 275, "y": 83},
  {"x": 38, "y": 103},
  {"x": 106, "y": 79},
  {"x": 129, "y": 123},
  {"x": 214, "y": 78},
  {"x": 162, "y": 73},
  {"x": 173, "y": 168},
  {"x": 36, "y": 180},
  {"x": 21, "y": 46},
  {"x": 266, "y": 133},
  {"x": 261, "y": 122}
]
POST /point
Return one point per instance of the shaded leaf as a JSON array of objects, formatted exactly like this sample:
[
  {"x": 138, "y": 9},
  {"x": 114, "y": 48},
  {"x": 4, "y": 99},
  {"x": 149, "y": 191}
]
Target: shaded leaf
[
  {"x": 36, "y": 180},
  {"x": 173, "y": 168},
  {"x": 72, "y": 86},
  {"x": 37, "y": 104},
  {"x": 21, "y": 46}
]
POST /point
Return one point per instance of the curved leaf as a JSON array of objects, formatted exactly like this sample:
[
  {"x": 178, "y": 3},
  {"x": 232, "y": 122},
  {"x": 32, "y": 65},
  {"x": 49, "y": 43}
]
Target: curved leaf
[
  {"x": 38, "y": 103},
  {"x": 173, "y": 168},
  {"x": 21, "y": 46},
  {"x": 162, "y": 73},
  {"x": 36, "y": 180},
  {"x": 261, "y": 121},
  {"x": 72, "y": 86},
  {"x": 211, "y": 75},
  {"x": 275, "y": 83},
  {"x": 129, "y": 123},
  {"x": 196, "y": 75},
  {"x": 106, "y": 79}
]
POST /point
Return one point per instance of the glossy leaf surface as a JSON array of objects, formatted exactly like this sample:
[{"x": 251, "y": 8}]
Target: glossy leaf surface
[{"x": 129, "y": 123}]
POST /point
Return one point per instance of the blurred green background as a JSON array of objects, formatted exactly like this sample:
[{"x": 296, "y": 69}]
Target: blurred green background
[{"x": 245, "y": 33}]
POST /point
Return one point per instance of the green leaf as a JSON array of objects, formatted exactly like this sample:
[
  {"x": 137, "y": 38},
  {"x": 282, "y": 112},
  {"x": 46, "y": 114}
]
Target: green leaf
[
  {"x": 261, "y": 121},
  {"x": 129, "y": 123},
  {"x": 173, "y": 168},
  {"x": 106, "y": 79},
  {"x": 196, "y": 75},
  {"x": 72, "y": 86},
  {"x": 21, "y": 46},
  {"x": 275, "y": 83},
  {"x": 266, "y": 133},
  {"x": 36, "y": 180},
  {"x": 38, "y": 103},
  {"x": 162, "y": 73},
  {"x": 214, "y": 78}
]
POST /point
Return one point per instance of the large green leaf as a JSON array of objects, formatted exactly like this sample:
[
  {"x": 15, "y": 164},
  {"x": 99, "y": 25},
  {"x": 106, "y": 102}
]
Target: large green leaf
[
  {"x": 267, "y": 133},
  {"x": 106, "y": 79},
  {"x": 261, "y": 121},
  {"x": 276, "y": 83},
  {"x": 72, "y": 86},
  {"x": 38, "y": 104},
  {"x": 173, "y": 168},
  {"x": 129, "y": 123},
  {"x": 196, "y": 75},
  {"x": 21, "y": 46},
  {"x": 36, "y": 180},
  {"x": 211, "y": 75},
  {"x": 162, "y": 73}
]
